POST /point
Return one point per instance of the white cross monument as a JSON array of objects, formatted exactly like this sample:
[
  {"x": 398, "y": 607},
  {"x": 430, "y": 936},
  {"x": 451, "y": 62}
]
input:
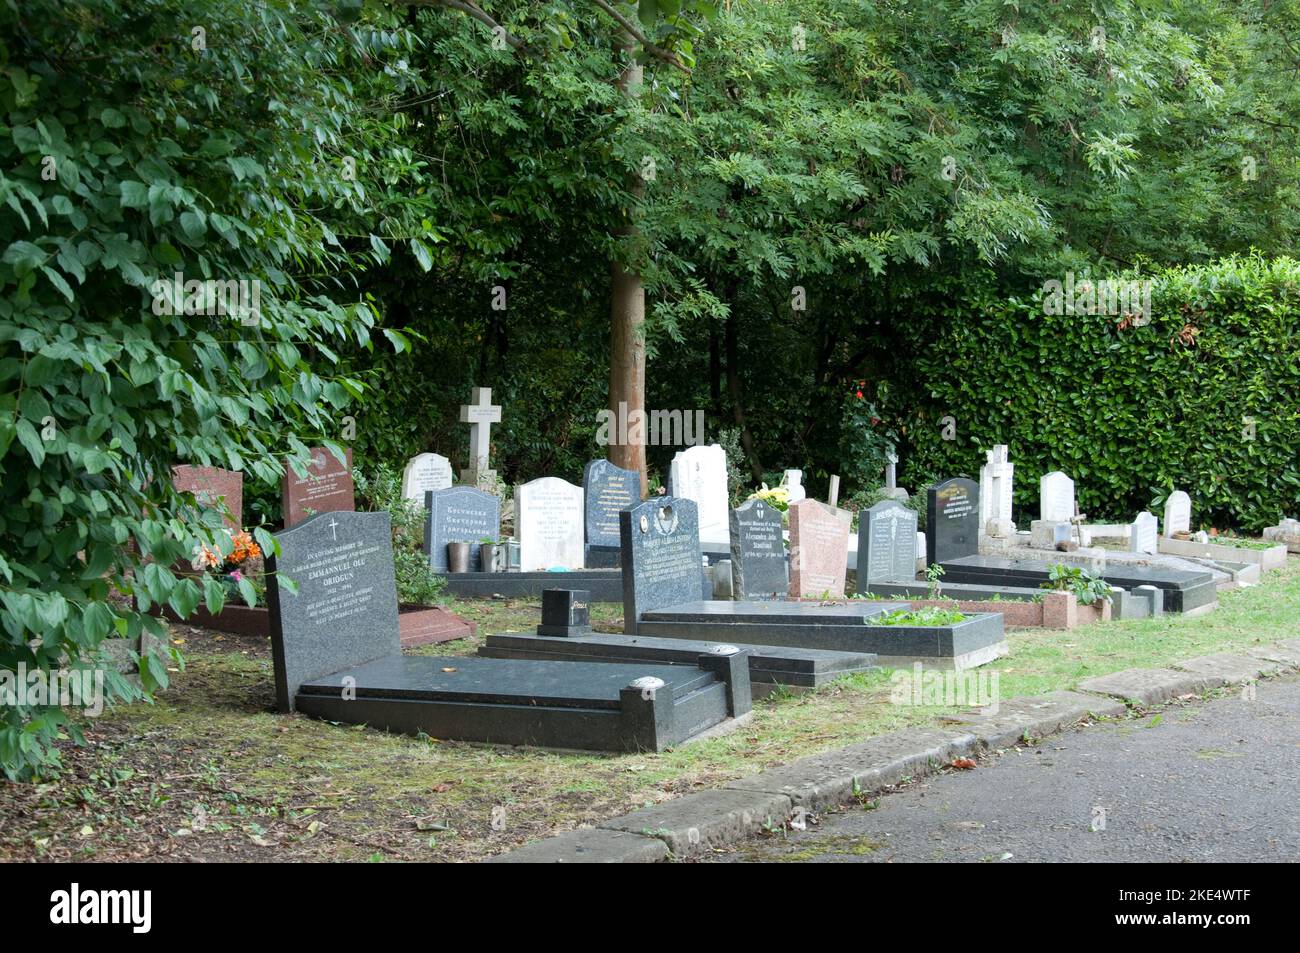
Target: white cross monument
[{"x": 480, "y": 414}]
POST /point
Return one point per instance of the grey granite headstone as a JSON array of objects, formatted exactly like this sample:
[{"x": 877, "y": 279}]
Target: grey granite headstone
[
  {"x": 886, "y": 544},
  {"x": 758, "y": 565},
  {"x": 608, "y": 491},
  {"x": 952, "y": 520},
  {"x": 459, "y": 514},
  {"x": 345, "y": 610},
  {"x": 661, "y": 556}
]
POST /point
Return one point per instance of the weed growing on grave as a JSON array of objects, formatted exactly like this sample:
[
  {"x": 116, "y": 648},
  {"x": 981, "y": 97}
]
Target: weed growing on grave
[
  {"x": 1086, "y": 585},
  {"x": 932, "y": 615}
]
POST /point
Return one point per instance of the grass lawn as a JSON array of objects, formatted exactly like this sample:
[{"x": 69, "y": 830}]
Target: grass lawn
[{"x": 208, "y": 772}]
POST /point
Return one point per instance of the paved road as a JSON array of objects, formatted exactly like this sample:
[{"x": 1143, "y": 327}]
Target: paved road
[{"x": 1207, "y": 781}]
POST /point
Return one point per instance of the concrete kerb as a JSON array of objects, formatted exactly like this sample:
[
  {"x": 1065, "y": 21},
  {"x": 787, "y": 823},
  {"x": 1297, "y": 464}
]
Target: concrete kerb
[{"x": 688, "y": 826}]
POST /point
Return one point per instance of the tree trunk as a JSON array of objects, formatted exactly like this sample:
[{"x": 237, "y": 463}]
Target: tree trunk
[
  {"x": 733, "y": 384},
  {"x": 627, "y": 316}
]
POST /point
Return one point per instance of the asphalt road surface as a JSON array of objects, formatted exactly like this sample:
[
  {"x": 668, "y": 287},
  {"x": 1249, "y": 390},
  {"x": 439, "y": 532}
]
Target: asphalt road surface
[{"x": 1202, "y": 781}]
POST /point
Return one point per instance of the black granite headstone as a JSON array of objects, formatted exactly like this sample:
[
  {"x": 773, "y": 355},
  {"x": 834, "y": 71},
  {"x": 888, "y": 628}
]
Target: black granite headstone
[
  {"x": 661, "y": 556},
  {"x": 886, "y": 544},
  {"x": 952, "y": 521},
  {"x": 607, "y": 490},
  {"x": 345, "y": 610},
  {"x": 565, "y": 612},
  {"x": 459, "y": 514},
  {"x": 758, "y": 563}
]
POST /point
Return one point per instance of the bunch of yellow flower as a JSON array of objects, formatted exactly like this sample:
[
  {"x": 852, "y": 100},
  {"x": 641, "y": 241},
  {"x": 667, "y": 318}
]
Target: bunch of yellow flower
[{"x": 777, "y": 497}]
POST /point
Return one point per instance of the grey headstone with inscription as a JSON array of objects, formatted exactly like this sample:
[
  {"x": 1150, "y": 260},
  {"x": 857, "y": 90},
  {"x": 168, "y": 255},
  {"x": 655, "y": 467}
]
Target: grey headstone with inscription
[
  {"x": 661, "y": 556},
  {"x": 345, "y": 610},
  {"x": 608, "y": 490},
  {"x": 759, "y": 569},
  {"x": 886, "y": 544},
  {"x": 460, "y": 514}
]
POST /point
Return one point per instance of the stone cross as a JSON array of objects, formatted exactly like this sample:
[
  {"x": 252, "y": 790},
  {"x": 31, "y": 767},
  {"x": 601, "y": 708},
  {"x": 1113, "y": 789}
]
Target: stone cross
[
  {"x": 480, "y": 414},
  {"x": 891, "y": 473}
]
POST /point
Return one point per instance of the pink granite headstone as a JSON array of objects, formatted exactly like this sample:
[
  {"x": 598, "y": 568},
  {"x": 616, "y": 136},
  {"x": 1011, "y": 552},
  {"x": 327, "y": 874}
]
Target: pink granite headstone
[
  {"x": 212, "y": 486},
  {"x": 819, "y": 549},
  {"x": 327, "y": 488}
]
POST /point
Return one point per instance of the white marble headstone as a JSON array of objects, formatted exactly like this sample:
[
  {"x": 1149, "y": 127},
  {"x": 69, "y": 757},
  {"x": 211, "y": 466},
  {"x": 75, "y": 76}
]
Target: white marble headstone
[
  {"x": 549, "y": 520},
  {"x": 1178, "y": 513},
  {"x": 699, "y": 474},
  {"x": 425, "y": 472},
  {"x": 1056, "y": 497},
  {"x": 793, "y": 480},
  {"x": 1146, "y": 530},
  {"x": 995, "y": 491}
]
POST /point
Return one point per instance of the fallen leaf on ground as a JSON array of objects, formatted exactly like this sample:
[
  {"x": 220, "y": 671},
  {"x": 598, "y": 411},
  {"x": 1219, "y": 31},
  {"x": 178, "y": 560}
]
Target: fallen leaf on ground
[{"x": 964, "y": 763}]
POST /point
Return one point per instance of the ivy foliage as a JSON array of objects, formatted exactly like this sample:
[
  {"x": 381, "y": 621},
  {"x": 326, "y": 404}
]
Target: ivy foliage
[{"x": 140, "y": 140}]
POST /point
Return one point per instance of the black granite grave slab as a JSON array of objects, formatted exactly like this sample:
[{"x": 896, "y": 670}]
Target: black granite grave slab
[
  {"x": 759, "y": 564},
  {"x": 336, "y": 655},
  {"x": 605, "y": 585},
  {"x": 1184, "y": 591},
  {"x": 768, "y": 665},
  {"x": 554, "y": 704},
  {"x": 977, "y": 639},
  {"x": 850, "y": 612},
  {"x": 607, "y": 491}
]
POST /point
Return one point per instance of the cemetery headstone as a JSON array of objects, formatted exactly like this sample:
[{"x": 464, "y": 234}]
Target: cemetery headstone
[
  {"x": 1178, "y": 514},
  {"x": 345, "y": 610},
  {"x": 607, "y": 491},
  {"x": 480, "y": 413},
  {"x": 213, "y": 487},
  {"x": 1056, "y": 497},
  {"x": 819, "y": 549},
  {"x": 699, "y": 474},
  {"x": 549, "y": 516},
  {"x": 995, "y": 493},
  {"x": 661, "y": 556},
  {"x": 886, "y": 544},
  {"x": 758, "y": 563},
  {"x": 459, "y": 514},
  {"x": 952, "y": 520},
  {"x": 892, "y": 490},
  {"x": 327, "y": 488},
  {"x": 425, "y": 472},
  {"x": 793, "y": 481},
  {"x": 1145, "y": 537}
]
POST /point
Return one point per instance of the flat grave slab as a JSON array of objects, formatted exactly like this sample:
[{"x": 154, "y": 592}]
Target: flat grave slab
[
  {"x": 956, "y": 590},
  {"x": 552, "y": 704},
  {"x": 1184, "y": 591},
  {"x": 769, "y": 666},
  {"x": 605, "y": 585},
  {"x": 336, "y": 656}
]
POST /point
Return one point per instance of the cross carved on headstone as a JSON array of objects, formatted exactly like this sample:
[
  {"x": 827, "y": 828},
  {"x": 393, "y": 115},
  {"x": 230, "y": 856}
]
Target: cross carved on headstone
[
  {"x": 334, "y": 528},
  {"x": 480, "y": 414}
]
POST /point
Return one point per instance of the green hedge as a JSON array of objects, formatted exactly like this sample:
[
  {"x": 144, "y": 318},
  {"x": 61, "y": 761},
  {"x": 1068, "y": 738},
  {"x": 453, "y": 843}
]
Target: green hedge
[{"x": 1130, "y": 413}]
